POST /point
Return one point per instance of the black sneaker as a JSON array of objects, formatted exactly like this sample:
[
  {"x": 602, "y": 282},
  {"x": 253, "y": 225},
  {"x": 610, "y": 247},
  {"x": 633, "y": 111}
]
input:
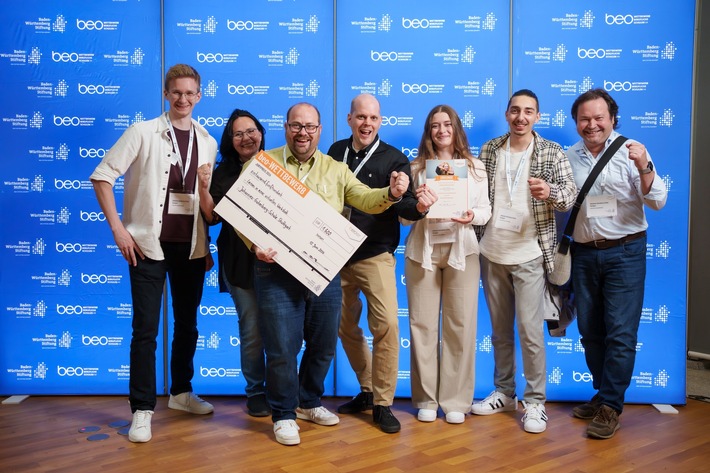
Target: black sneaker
[
  {"x": 361, "y": 402},
  {"x": 589, "y": 409},
  {"x": 258, "y": 406},
  {"x": 383, "y": 417},
  {"x": 605, "y": 423}
]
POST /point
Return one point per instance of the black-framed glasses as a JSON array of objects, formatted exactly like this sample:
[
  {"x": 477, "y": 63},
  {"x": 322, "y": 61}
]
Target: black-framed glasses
[
  {"x": 295, "y": 127},
  {"x": 250, "y": 132},
  {"x": 190, "y": 96}
]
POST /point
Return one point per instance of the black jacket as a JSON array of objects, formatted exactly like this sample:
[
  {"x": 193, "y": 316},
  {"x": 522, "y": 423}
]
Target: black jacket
[{"x": 235, "y": 259}]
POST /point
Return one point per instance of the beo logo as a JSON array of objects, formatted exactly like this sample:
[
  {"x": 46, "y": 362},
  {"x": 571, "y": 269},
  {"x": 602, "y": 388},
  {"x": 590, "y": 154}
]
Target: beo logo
[
  {"x": 69, "y": 309},
  {"x": 67, "y": 247},
  {"x": 581, "y": 377},
  {"x": 209, "y": 57},
  {"x": 70, "y": 371},
  {"x": 617, "y": 86},
  {"x": 234, "y": 341},
  {"x": 618, "y": 19},
  {"x": 92, "y": 216},
  {"x": 94, "y": 341},
  {"x": 212, "y": 310},
  {"x": 410, "y": 153},
  {"x": 383, "y": 55},
  {"x": 94, "y": 278},
  {"x": 91, "y": 89},
  {"x": 389, "y": 121},
  {"x": 591, "y": 53},
  {"x": 415, "y": 88},
  {"x": 64, "y": 57},
  {"x": 404, "y": 342},
  {"x": 240, "y": 25},
  {"x": 240, "y": 89},
  {"x": 89, "y": 24},
  {"x": 92, "y": 152},
  {"x": 415, "y": 23},
  {"x": 67, "y": 184},
  {"x": 212, "y": 372},
  {"x": 66, "y": 121},
  {"x": 211, "y": 121}
]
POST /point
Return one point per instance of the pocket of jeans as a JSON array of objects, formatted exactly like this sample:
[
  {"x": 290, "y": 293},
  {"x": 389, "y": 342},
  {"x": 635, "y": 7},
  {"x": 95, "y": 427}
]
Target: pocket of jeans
[{"x": 635, "y": 248}]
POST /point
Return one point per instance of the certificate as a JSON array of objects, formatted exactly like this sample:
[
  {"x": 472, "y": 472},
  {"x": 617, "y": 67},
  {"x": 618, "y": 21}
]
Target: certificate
[
  {"x": 448, "y": 178},
  {"x": 273, "y": 209}
]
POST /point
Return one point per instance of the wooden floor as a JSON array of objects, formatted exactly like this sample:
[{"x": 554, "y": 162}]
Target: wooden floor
[{"x": 42, "y": 435}]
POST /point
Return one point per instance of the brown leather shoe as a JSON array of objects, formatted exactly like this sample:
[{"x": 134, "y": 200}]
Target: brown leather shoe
[{"x": 605, "y": 423}]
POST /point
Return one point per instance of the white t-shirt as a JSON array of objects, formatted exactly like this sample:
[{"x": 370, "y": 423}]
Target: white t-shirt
[{"x": 504, "y": 246}]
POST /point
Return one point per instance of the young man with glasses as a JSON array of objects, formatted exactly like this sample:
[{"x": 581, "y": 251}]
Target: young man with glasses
[
  {"x": 162, "y": 232},
  {"x": 290, "y": 313}
]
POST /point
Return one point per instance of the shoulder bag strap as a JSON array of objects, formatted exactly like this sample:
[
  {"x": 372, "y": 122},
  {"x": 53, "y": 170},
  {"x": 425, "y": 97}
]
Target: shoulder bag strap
[{"x": 605, "y": 158}]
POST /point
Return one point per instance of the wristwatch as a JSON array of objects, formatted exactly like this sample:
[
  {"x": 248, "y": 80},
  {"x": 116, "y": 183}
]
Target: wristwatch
[{"x": 648, "y": 169}]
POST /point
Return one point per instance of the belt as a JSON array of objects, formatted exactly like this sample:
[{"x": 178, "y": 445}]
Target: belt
[{"x": 603, "y": 244}]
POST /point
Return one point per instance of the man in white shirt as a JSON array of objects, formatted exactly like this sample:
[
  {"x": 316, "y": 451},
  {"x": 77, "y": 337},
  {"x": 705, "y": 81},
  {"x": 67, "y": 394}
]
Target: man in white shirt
[
  {"x": 162, "y": 233},
  {"x": 609, "y": 255},
  {"x": 529, "y": 178}
]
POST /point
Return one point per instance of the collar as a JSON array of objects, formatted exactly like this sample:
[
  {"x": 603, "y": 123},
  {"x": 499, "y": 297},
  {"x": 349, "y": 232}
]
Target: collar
[{"x": 366, "y": 149}]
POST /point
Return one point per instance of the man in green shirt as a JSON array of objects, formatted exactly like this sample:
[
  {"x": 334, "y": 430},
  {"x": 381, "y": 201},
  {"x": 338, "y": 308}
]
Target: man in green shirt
[{"x": 289, "y": 312}]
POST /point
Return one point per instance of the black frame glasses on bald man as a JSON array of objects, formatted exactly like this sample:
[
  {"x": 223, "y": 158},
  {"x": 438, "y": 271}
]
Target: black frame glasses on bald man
[{"x": 295, "y": 127}]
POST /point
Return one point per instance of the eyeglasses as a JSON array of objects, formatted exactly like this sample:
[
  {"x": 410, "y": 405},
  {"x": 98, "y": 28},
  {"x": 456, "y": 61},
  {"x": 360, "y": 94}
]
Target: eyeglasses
[
  {"x": 297, "y": 127},
  {"x": 250, "y": 132},
  {"x": 190, "y": 96}
]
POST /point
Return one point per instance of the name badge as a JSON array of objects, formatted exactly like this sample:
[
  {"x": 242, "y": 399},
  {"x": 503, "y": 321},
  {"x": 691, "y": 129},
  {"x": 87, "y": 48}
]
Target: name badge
[
  {"x": 601, "y": 206},
  {"x": 509, "y": 219},
  {"x": 346, "y": 212},
  {"x": 442, "y": 232},
  {"x": 181, "y": 203}
]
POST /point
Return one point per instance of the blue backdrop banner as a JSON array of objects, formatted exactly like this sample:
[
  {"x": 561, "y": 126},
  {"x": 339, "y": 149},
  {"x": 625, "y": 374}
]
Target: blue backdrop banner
[{"x": 77, "y": 76}]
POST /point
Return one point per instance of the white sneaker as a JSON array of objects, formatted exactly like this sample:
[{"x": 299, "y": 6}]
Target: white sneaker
[
  {"x": 426, "y": 415},
  {"x": 140, "y": 427},
  {"x": 495, "y": 402},
  {"x": 286, "y": 432},
  {"x": 190, "y": 402},
  {"x": 535, "y": 418},
  {"x": 455, "y": 417},
  {"x": 320, "y": 415}
]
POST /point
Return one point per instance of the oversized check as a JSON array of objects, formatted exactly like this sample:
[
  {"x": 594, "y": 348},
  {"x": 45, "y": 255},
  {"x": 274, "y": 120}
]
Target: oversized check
[{"x": 272, "y": 208}]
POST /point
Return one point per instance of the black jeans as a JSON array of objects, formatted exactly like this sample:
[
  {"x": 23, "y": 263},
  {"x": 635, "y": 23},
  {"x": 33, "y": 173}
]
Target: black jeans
[{"x": 186, "y": 279}]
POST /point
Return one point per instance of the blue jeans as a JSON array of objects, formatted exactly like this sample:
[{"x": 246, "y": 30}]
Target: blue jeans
[
  {"x": 609, "y": 288},
  {"x": 251, "y": 348},
  {"x": 289, "y": 314},
  {"x": 147, "y": 279}
]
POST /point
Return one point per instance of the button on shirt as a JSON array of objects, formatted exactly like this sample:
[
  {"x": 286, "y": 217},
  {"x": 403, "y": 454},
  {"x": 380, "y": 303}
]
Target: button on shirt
[{"x": 621, "y": 179}]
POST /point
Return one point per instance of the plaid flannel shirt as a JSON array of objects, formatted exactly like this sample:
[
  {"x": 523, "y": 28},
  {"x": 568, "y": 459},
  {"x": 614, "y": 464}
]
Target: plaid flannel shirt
[{"x": 549, "y": 163}]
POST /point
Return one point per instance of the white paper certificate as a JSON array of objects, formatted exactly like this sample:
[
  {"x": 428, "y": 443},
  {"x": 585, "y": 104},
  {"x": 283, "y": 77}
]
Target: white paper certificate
[
  {"x": 448, "y": 178},
  {"x": 272, "y": 208}
]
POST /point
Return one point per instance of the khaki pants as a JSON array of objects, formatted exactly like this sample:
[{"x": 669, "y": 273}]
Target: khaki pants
[
  {"x": 443, "y": 308},
  {"x": 376, "y": 370}
]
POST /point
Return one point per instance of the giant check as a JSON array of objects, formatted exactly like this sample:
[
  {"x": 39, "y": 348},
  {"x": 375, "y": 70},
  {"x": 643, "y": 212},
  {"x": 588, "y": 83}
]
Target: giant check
[{"x": 272, "y": 208}]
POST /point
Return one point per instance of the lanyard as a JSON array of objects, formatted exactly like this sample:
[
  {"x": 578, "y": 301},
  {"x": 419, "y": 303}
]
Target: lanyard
[
  {"x": 514, "y": 184},
  {"x": 173, "y": 138},
  {"x": 367, "y": 156},
  {"x": 303, "y": 179}
]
